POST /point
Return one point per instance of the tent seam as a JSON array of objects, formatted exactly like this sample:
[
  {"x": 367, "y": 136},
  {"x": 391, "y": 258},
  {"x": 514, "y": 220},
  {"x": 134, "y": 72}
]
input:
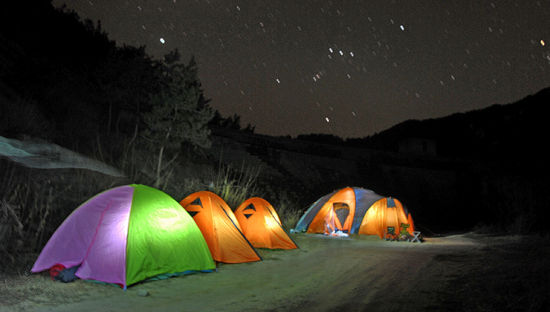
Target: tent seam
[{"x": 96, "y": 231}]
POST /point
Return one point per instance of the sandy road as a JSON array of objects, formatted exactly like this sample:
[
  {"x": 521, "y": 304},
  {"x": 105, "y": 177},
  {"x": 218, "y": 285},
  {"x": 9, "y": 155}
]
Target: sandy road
[
  {"x": 385, "y": 276},
  {"x": 323, "y": 275}
]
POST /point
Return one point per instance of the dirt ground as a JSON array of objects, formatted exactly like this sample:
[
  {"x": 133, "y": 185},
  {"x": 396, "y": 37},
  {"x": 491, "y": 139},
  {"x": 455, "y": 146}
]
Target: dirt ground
[{"x": 454, "y": 273}]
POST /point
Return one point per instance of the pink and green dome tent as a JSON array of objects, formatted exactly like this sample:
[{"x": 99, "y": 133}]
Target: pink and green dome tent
[{"x": 125, "y": 235}]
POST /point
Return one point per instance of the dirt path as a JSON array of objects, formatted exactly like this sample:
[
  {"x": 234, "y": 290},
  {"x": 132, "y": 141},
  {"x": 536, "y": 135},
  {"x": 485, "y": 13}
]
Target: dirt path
[{"x": 324, "y": 275}]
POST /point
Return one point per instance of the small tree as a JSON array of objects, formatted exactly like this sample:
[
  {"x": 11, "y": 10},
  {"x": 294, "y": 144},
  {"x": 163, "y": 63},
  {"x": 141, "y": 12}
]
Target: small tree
[{"x": 179, "y": 113}]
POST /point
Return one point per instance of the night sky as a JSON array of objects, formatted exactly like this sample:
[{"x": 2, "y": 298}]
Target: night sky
[{"x": 348, "y": 68}]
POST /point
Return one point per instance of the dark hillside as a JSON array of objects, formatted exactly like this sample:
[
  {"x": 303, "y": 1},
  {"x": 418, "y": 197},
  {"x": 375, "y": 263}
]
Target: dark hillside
[
  {"x": 62, "y": 75},
  {"x": 508, "y": 135},
  {"x": 481, "y": 167},
  {"x": 505, "y": 182}
]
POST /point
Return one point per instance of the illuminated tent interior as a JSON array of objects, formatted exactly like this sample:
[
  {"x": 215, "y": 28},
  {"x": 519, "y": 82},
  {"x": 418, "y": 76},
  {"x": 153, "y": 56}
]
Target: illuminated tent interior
[
  {"x": 262, "y": 226},
  {"x": 355, "y": 210},
  {"x": 220, "y": 228},
  {"x": 125, "y": 235}
]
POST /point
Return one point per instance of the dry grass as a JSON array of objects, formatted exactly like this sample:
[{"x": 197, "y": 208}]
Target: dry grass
[
  {"x": 287, "y": 210},
  {"x": 235, "y": 186},
  {"x": 33, "y": 203}
]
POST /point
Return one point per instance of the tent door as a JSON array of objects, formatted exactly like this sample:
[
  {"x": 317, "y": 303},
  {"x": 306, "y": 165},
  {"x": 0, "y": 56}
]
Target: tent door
[{"x": 342, "y": 213}]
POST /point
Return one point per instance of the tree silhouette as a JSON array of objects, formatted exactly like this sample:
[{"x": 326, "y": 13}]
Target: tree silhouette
[{"x": 179, "y": 113}]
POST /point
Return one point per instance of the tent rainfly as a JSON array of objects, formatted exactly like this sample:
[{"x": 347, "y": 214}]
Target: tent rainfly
[
  {"x": 125, "y": 235},
  {"x": 261, "y": 225},
  {"x": 220, "y": 228}
]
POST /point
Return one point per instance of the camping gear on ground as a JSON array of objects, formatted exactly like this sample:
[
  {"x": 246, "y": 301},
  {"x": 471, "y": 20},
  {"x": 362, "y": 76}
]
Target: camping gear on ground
[
  {"x": 354, "y": 210},
  {"x": 416, "y": 237},
  {"x": 66, "y": 275},
  {"x": 261, "y": 225},
  {"x": 390, "y": 234},
  {"x": 220, "y": 228},
  {"x": 404, "y": 234},
  {"x": 125, "y": 235}
]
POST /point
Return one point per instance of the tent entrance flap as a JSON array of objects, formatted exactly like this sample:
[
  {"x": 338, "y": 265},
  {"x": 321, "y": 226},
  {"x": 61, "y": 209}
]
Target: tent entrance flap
[{"x": 342, "y": 212}]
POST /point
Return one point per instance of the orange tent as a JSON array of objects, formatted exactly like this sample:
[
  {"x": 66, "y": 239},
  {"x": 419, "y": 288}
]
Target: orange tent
[
  {"x": 220, "y": 228},
  {"x": 261, "y": 225},
  {"x": 354, "y": 210},
  {"x": 383, "y": 213},
  {"x": 336, "y": 214}
]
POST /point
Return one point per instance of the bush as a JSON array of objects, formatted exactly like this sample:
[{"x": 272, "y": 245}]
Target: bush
[{"x": 235, "y": 186}]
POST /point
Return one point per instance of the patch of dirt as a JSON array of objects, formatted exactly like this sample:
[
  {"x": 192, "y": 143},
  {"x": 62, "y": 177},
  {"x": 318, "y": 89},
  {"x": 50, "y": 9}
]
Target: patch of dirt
[{"x": 454, "y": 273}]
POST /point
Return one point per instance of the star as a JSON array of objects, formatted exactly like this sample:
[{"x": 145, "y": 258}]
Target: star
[{"x": 341, "y": 55}]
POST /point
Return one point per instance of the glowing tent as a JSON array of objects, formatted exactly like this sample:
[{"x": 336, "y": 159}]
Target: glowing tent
[
  {"x": 220, "y": 228},
  {"x": 354, "y": 211},
  {"x": 125, "y": 235},
  {"x": 384, "y": 213},
  {"x": 261, "y": 225}
]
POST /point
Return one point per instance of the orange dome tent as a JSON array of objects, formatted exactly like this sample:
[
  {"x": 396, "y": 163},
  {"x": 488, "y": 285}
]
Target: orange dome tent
[
  {"x": 384, "y": 213},
  {"x": 220, "y": 228},
  {"x": 261, "y": 225},
  {"x": 355, "y": 210}
]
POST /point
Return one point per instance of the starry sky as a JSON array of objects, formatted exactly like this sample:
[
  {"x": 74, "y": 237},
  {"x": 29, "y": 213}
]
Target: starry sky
[{"x": 347, "y": 68}]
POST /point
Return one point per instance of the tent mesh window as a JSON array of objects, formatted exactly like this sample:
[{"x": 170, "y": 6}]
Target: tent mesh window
[
  {"x": 308, "y": 216},
  {"x": 342, "y": 212}
]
